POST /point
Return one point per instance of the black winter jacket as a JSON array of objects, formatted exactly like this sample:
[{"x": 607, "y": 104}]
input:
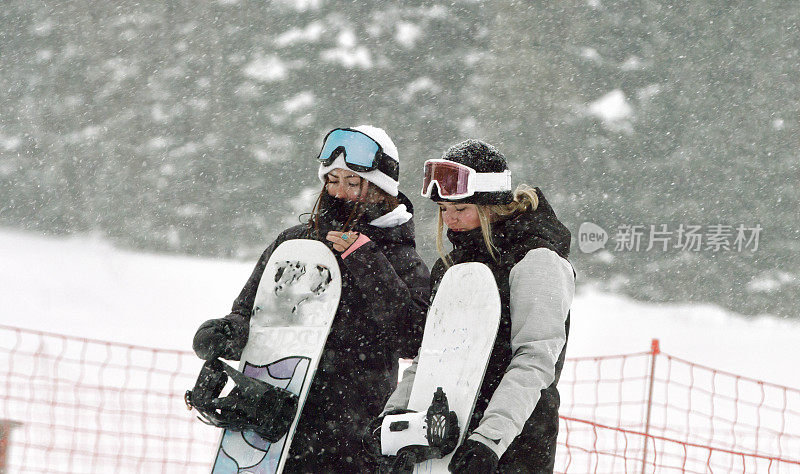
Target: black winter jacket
[
  {"x": 533, "y": 450},
  {"x": 381, "y": 315}
]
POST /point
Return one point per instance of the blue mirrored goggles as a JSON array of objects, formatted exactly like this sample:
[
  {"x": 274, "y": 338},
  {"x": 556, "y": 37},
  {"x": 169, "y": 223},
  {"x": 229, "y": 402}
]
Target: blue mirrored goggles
[{"x": 361, "y": 152}]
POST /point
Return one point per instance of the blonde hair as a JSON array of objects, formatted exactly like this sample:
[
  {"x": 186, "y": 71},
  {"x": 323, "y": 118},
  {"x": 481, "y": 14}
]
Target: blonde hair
[{"x": 524, "y": 198}]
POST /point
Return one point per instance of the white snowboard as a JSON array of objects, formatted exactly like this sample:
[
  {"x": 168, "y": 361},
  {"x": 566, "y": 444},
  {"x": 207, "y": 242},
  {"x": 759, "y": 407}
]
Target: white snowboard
[
  {"x": 294, "y": 307},
  {"x": 459, "y": 335}
]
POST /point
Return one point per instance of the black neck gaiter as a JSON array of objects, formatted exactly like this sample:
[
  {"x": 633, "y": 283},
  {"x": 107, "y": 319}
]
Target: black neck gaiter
[{"x": 337, "y": 211}]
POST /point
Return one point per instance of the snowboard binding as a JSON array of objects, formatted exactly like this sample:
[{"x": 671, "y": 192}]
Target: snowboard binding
[
  {"x": 251, "y": 405},
  {"x": 415, "y": 437},
  {"x": 443, "y": 430}
]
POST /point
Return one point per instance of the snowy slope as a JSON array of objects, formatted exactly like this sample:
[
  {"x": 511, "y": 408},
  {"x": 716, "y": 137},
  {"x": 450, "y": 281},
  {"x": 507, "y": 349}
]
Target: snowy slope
[{"x": 85, "y": 287}]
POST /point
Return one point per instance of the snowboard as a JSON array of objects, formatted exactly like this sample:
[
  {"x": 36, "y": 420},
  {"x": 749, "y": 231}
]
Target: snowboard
[
  {"x": 459, "y": 335},
  {"x": 294, "y": 308}
]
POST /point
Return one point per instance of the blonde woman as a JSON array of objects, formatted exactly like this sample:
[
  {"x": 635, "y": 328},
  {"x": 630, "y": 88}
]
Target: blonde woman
[{"x": 517, "y": 234}]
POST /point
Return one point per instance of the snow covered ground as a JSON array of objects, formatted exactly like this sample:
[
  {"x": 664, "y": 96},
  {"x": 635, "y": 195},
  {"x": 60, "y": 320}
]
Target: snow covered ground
[{"x": 85, "y": 287}]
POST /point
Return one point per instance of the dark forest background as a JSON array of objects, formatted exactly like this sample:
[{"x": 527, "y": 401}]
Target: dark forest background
[{"x": 191, "y": 126}]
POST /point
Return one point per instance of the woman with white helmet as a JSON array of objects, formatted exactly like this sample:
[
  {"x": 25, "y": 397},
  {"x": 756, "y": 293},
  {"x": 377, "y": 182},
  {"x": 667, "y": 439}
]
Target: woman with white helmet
[{"x": 361, "y": 214}]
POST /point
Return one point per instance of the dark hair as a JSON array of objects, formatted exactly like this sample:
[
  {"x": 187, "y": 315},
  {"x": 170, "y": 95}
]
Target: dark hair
[{"x": 387, "y": 201}]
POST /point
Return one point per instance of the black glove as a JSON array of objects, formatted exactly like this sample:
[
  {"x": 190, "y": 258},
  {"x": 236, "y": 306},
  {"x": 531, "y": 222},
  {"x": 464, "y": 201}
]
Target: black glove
[
  {"x": 405, "y": 459},
  {"x": 371, "y": 440},
  {"x": 442, "y": 436},
  {"x": 220, "y": 338},
  {"x": 473, "y": 457},
  {"x": 408, "y": 456}
]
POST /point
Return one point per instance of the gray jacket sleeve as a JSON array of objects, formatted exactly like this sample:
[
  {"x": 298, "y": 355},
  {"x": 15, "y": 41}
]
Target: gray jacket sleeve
[
  {"x": 542, "y": 287},
  {"x": 402, "y": 394}
]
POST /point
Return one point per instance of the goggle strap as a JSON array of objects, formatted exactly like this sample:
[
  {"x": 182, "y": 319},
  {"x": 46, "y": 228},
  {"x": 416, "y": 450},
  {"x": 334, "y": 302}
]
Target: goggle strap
[
  {"x": 388, "y": 165},
  {"x": 383, "y": 163},
  {"x": 489, "y": 182}
]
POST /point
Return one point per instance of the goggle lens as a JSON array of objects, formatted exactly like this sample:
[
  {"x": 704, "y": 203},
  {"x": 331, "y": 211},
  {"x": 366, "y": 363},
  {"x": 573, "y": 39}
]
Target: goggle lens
[
  {"x": 359, "y": 149},
  {"x": 452, "y": 179}
]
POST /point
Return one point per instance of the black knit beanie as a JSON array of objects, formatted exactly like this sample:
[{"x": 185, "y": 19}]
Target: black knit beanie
[{"x": 483, "y": 158}]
